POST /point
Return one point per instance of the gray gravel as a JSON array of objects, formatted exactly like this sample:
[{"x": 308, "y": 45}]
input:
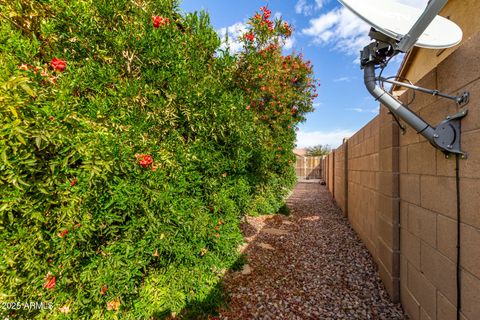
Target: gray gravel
[{"x": 309, "y": 265}]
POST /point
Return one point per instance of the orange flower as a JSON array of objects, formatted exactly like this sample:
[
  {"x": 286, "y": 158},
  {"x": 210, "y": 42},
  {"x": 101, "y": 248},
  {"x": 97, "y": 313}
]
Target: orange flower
[
  {"x": 160, "y": 21},
  {"x": 58, "y": 65},
  {"x": 65, "y": 309},
  {"x": 250, "y": 36},
  {"x": 104, "y": 290},
  {"x": 144, "y": 160},
  {"x": 50, "y": 281},
  {"x": 113, "y": 305},
  {"x": 63, "y": 233}
]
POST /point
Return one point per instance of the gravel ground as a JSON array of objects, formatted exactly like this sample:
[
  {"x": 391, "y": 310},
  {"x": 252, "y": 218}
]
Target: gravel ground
[{"x": 308, "y": 265}]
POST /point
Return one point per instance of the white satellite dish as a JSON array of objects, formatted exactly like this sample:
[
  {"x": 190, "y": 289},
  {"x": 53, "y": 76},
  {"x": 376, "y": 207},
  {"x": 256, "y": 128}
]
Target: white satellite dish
[
  {"x": 395, "y": 20},
  {"x": 397, "y": 28}
]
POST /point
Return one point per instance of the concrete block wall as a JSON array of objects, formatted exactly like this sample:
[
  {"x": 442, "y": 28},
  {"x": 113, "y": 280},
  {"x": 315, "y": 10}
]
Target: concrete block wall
[
  {"x": 363, "y": 153},
  {"x": 401, "y": 196},
  {"x": 340, "y": 187},
  {"x": 330, "y": 172},
  {"x": 388, "y": 205},
  {"x": 428, "y": 198}
]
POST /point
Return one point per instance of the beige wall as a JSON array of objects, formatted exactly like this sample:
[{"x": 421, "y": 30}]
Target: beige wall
[
  {"x": 330, "y": 171},
  {"x": 428, "y": 198},
  {"x": 402, "y": 196},
  {"x": 340, "y": 178},
  {"x": 372, "y": 195},
  {"x": 465, "y": 13},
  {"x": 362, "y": 182}
]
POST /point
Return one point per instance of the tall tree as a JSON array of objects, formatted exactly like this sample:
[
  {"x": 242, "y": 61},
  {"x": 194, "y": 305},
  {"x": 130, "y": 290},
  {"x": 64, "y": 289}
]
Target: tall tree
[{"x": 319, "y": 150}]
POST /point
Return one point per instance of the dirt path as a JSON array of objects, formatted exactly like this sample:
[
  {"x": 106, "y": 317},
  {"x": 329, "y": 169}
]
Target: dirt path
[{"x": 308, "y": 265}]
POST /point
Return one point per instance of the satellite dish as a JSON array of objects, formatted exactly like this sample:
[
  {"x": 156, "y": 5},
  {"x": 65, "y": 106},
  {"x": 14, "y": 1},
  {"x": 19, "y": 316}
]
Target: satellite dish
[{"x": 395, "y": 20}]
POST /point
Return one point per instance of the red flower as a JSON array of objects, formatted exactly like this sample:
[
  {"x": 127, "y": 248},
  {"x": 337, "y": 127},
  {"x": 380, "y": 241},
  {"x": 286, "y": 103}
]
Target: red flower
[
  {"x": 104, "y": 290},
  {"x": 250, "y": 36},
  {"x": 58, "y": 65},
  {"x": 23, "y": 67},
  {"x": 49, "y": 281},
  {"x": 267, "y": 13},
  {"x": 63, "y": 233},
  {"x": 144, "y": 160},
  {"x": 51, "y": 118},
  {"x": 248, "y": 108},
  {"x": 160, "y": 21},
  {"x": 269, "y": 24},
  {"x": 74, "y": 182}
]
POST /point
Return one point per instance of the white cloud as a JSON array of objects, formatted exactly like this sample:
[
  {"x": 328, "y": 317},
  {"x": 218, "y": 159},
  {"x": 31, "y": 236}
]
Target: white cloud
[
  {"x": 312, "y": 138},
  {"x": 343, "y": 79},
  {"x": 289, "y": 43},
  {"x": 307, "y": 7},
  {"x": 339, "y": 28},
  {"x": 234, "y": 32},
  {"x": 364, "y": 110}
]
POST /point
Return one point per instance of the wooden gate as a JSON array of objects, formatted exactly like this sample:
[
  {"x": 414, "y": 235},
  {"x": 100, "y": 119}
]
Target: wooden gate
[{"x": 308, "y": 167}]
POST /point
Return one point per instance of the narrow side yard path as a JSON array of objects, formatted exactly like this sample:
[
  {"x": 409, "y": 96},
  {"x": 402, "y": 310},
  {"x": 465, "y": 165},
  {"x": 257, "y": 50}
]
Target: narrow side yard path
[{"x": 308, "y": 265}]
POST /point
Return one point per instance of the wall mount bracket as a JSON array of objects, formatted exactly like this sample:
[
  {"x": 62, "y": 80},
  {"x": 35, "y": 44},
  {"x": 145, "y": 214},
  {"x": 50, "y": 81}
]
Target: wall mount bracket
[{"x": 446, "y": 135}]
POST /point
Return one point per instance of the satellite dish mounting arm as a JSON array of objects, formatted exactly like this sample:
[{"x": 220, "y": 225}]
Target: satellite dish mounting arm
[
  {"x": 446, "y": 135},
  {"x": 408, "y": 41}
]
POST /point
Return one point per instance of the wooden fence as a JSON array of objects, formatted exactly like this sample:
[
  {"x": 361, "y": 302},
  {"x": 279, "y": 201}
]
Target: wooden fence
[{"x": 308, "y": 167}]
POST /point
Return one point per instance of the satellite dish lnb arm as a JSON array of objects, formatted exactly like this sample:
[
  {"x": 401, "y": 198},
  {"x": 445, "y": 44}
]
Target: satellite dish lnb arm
[
  {"x": 408, "y": 41},
  {"x": 395, "y": 106}
]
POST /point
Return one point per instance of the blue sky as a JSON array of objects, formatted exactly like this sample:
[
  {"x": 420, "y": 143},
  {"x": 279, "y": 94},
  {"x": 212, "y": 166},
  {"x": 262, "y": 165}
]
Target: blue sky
[{"x": 328, "y": 35}]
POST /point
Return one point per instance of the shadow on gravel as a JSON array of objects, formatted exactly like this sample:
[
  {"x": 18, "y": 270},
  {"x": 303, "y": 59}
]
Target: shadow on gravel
[{"x": 306, "y": 265}]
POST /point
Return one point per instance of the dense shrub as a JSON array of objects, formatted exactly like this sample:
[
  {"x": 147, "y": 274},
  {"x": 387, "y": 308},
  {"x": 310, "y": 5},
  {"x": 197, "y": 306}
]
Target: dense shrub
[{"x": 130, "y": 148}]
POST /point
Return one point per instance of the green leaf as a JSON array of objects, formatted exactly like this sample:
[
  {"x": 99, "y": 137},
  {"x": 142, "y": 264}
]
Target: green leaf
[{"x": 28, "y": 90}]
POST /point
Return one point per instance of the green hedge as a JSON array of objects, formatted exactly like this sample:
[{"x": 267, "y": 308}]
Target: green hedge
[{"x": 128, "y": 156}]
